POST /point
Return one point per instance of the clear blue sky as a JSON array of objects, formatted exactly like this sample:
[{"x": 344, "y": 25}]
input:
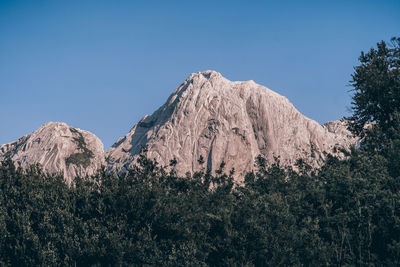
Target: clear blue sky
[{"x": 102, "y": 65}]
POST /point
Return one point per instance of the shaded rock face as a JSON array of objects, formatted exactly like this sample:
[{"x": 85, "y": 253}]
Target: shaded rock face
[
  {"x": 58, "y": 147},
  {"x": 234, "y": 122}
]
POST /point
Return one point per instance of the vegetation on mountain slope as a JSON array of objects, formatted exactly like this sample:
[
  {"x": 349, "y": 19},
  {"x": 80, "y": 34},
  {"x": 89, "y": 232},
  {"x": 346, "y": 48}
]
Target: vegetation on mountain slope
[{"x": 81, "y": 158}]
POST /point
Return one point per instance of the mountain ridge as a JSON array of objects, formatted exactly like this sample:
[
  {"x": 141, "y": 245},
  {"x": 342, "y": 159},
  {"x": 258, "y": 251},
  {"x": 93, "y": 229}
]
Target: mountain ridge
[{"x": 206, "y": 116}]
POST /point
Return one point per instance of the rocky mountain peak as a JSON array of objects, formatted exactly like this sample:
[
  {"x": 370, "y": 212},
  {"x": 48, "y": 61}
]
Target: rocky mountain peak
[
  {"x": 58, "y": 147},
  {"x": 230, "y": 121}
]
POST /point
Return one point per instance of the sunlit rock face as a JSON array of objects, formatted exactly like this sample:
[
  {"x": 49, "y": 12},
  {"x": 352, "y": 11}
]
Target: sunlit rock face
[
  {"x": 228, "y": 121},
  {"x": 58, "y": 148}
]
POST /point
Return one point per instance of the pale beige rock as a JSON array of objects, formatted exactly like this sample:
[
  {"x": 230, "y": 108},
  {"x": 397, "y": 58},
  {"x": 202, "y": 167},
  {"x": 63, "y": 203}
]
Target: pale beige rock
[
  {"x": 58, "y": 147},
  {"x": 222, "y": 120}
]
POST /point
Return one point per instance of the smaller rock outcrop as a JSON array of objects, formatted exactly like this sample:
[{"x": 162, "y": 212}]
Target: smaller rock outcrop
[{"x": 58, "y": 147}]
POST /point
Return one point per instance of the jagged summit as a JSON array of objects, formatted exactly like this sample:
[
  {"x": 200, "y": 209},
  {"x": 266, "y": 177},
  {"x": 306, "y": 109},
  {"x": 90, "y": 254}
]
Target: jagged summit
[
  {"x": 207, "y": 74},
  {"x": 215, "y": 78},
  {"x": 58, "y": 147},
  {"x": 222, "y": 120}
]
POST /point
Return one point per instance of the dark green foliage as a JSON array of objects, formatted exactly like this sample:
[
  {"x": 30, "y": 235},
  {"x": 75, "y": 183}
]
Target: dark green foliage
[
  {"x": 82, "y": 158},
  {"x": 346, "y": 213},
  {"x": 376, "y": 84},
  {"x": 36, "y": 222}
]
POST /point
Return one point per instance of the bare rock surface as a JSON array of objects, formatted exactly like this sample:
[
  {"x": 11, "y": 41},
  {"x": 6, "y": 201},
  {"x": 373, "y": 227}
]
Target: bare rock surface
[
  {"x": 58, "y": 147},
  {"x": 228, "y": 121}
]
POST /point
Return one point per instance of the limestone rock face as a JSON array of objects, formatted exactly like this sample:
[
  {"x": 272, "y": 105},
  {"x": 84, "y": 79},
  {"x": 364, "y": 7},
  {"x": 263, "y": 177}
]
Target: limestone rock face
[
  {"x": 339, "y": 128},
  {"x": 58, "y": 147},
  {"x": 234, "y": 122}
]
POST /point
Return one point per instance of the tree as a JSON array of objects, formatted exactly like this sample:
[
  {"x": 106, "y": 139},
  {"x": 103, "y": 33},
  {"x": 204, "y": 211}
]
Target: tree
[{"x": 376, "y": 83}]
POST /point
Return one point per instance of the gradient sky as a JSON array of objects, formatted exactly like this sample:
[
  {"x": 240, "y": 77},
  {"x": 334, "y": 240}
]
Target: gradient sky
[{"x": 102, "y": 65}]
